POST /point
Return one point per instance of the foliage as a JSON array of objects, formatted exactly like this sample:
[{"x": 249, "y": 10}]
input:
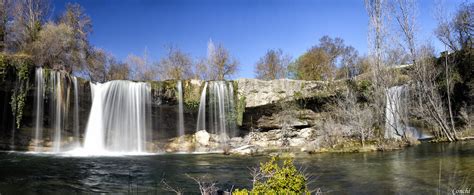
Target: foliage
[
  {"x": 461, "y": 74},
  {"x": 240, "y": 109},
  {"x": 276, "y": 178},
  {"x": 191, "y": 94},
  {"x": 313, "y": 65},
  {"x": 362, "y": 89},
  {"x": 49, "y": 47},
  {"x": 22, "y": 66},
  {"x": 456, "y": 33},
  {"x": 322, "y": 60},
  {"x": 272, "y": 66}
]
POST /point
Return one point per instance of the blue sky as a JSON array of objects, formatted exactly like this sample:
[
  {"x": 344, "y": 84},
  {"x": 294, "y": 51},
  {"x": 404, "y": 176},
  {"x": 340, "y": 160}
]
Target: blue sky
[{"x": 247, "y": 28}]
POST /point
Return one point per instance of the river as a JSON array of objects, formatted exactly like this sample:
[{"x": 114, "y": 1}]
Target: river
[{"x": 423, "y": 169}]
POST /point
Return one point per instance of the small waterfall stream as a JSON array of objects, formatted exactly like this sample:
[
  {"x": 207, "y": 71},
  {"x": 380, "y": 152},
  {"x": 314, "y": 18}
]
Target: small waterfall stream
[
  {"x": 180, "y": 109},
  {"x": 57, "y": 108},
  {"x": 201, "y": 120},
  {"x": 395, "y": 113},
  {"x": 217, "y": 99},
  {"x": 76, "y": 112},
  {"x": 55, "y": 89},
  {"x": 39, "y": 104}
]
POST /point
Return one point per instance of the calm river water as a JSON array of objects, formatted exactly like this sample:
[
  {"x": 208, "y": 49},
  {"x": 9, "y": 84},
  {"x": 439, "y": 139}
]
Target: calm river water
[{"x": 422, "y": 169}]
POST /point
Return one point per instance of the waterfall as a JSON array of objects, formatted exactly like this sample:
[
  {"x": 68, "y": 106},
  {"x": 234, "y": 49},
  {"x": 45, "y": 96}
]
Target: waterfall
[
  {"x": 76, "y": 112},
  {"x": 180, "y": 109},
  {"x": 57, "y": 108},
  {"x": 118, "y": 121},
  {"x": 201, "y": 120},
  {"x": 38, "y": 106},
  {"x": 395, "y": 112},
  {"x": 220, "y": 109}
]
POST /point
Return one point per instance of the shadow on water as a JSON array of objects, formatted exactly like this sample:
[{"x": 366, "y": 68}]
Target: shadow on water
[{"x": 422, "y": 169}]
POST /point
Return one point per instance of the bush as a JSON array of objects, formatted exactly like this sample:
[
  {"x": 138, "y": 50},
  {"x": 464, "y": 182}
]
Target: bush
[{"x": 276, "y": 178}]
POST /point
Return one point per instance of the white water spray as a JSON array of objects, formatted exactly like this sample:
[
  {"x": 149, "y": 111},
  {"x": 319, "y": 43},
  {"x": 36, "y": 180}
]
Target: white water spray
[
  {"x": 180, "y": 109},
  {"x": 201, "y": 120},
  {"x": 118, "y": 119},
  {"x": 39, "y": 104},
  {"x": 220, "y": 108},
  {"x": 396, "y": 114},
  {"x": 76, "y": 112},
  {"x": 56, "y": 86}
]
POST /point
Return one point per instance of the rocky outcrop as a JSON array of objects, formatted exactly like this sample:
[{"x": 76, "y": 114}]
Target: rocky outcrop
[
  {"x": 297, "y": 119},
  {"x": 258, "y": 105},
  {"x": 262, "y": 101},
  {"x": 260, "y": 93}
]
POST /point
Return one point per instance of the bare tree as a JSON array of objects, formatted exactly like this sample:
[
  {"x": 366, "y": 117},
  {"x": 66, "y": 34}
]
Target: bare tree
[
  {"x": 272, "y": 66},
  {"x": 220, "y": 65},
  {"x": 455, "y": 32},
  {"x": 52, "y": 46},
  {"x": 176, "y": 65},
  {"x": 334, "y": 49},
  {"x": 428, "y": 104},
  {"x": 102, "y": 66},
  {"x": 378, "y": 37},
  {"x": 81, "y": 26},
  {"x": 201, "y": 70},
  {"x": 350, "y": 58},
  {"x": 28, "y": 18},
  {"x": 170, "y": 188},
  {"x": 5, "y": 15},
  {"x": 140, "y": 67},
  {"x": 206, "y": 187},
  {"x": 405, "y": 14},
  {"x": 117, "y": 70},
  {"x": 356, "y": 115},
  {"x": 96, "y": 68}
]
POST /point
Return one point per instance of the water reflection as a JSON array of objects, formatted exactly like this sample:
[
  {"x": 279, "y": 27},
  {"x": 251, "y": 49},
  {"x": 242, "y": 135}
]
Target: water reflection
[{"x": 422, "y": 169}]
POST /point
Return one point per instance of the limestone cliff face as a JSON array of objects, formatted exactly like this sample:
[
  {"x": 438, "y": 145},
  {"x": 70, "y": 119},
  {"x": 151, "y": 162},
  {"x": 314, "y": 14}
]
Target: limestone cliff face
[
  {"x": 260, "y": 93},
  {"x": 258, "y": 105},
  {"x": 265, "y": 99}
]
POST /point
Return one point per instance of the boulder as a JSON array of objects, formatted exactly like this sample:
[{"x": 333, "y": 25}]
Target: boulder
[
  {"x": 306, "y": 133},
  {"x": 244, "y": 150},
  {"x": 296, "y": 142},
  {"x": 202, "y": 137}
]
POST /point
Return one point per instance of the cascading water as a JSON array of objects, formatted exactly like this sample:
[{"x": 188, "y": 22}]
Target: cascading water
[
  {"x": 57, "y": 108},
  {"x": 221, "y": 110},
  {"x": 393, "y": 113},
  {"x": 76, "y": 112},
  {"x": 180, "y": 109},
  {"x": 118, "y": 121},
  {"x": 38, "y": 106},
  {"x": 201, "y": 120}
]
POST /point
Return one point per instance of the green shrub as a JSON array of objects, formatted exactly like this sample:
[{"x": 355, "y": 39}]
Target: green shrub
[{"x": 278, "y": 178}]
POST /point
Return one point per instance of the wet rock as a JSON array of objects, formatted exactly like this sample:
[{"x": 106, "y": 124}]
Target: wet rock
[
  {"x": 244, "y": 150},
  {"x": 202, "y": 137},
  {"x": 185, "y": 143}
]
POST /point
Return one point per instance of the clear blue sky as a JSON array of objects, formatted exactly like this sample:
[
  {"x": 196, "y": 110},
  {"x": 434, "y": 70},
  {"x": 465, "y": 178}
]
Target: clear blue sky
[{"x": 247, "y": 28}]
